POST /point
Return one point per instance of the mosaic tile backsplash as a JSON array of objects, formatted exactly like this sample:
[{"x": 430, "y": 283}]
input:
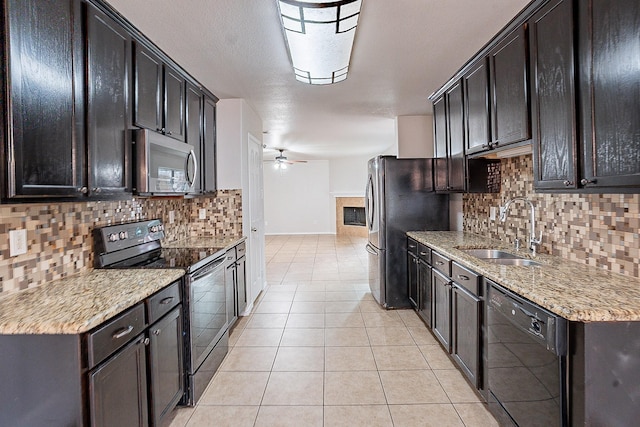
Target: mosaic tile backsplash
[
  {"x": 59, "y": 236},
  {"x": 601, "y": 230}
]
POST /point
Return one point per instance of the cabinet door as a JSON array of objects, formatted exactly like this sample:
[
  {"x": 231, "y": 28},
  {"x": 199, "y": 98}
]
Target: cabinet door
[
  {"x": 609, "y": 34},
  {"x": 241, "y": 285},
  {"x": 425, "y": 292},
  {"x": 108, "y": 133},
  {"x": 194, "y": 131},
  {"x": 412, "y": 276},
  {"x": 553, "y": 102},
  {"x": 45, "y": 85},
  {"x": 118, "y": 389},
  {"x": 165, "y": 365},
  {"x": 174, "y": 93},
  {"x": 440, "y": 138},
  {"x": 465, "y": 336},
  {"x": 510, "y": 89},
  {"x": 209, "y": 144},
  {"x": 455, "y": 122},
  {"x": 476, "y": 103},
  {"x": 442, "y": 309},
  {"x": 147, "y": 84}
]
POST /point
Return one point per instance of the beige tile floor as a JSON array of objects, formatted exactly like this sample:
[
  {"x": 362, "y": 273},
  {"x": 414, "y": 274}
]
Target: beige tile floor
[{"x": 317, "y": 350}]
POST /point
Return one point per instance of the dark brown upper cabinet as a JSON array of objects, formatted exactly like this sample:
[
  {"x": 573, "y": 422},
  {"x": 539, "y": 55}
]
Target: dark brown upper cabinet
[
  {"x": 108, "y": 106},
  {"x": 194, "y": 131},
  {"x": 449, "y": 140},
  {"x": 609, "y": 48},
  {"x": 159, "y": 93},
  {"x": 44, "y": 134},
  {"x": 440, "y": 143},
  {"x": 509, "y": 82},
  {"x": 209, "y": 143},
  {"x": 476, "y": 107},
  {"x": 455, "y": 122},
  {"x": 553, "y": 101}
]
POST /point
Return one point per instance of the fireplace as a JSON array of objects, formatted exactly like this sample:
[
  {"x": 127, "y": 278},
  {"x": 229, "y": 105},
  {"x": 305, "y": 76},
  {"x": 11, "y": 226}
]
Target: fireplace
[{"x": 350, "y": 217}]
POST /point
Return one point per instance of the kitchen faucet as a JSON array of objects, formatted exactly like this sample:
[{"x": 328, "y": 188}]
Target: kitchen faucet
[{"x": 533, "y": 241}]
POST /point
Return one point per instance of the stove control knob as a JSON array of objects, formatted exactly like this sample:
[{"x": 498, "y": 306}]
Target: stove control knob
[
  {"x": 113, "y": 237},
  {"x": 123, "y": 235}
]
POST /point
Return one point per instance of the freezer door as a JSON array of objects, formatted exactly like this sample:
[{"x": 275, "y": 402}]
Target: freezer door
[{"x": 377, "y": 274}]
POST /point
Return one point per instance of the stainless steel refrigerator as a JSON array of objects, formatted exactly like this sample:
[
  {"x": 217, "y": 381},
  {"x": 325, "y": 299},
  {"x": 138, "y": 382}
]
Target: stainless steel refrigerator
[{"x": 400, "y": 197}]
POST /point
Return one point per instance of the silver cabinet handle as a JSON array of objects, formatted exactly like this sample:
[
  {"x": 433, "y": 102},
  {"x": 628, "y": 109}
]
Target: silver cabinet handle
[
  {"x": 83, "y": 190},
  {"x": 423, "y": 253},
  {"x": 568, "y": 183},
  {"x": 412, "y": 246},
  {"x": 439, "y": 263},
  {"x": 157, "y": 332},
  {"x": 122, "y": 332},
  {"x": 585, "y": 181},
  {"x": 463, "y": 277},
  {"x": 166, "y": 300}
]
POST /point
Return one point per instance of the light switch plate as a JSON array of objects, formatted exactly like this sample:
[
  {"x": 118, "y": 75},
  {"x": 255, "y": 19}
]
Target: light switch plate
[
  {"x": 172, "y": 217},
  {"x": 17, "y": 242},
  {"x": 202, "y": 214}
]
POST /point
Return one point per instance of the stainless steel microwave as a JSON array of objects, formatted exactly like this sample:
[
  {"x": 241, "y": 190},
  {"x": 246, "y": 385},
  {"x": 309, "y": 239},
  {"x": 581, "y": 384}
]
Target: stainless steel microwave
[{"x": 163, "y": 165}]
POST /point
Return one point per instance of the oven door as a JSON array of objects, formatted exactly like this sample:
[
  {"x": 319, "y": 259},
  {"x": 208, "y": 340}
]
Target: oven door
[{"x": 206, "y": 310}]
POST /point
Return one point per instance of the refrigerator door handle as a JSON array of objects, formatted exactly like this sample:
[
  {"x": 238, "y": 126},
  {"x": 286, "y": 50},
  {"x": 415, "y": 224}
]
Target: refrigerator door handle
[
  {"x": 371, "y": 249},
  {"x": 368, "y": 206}
]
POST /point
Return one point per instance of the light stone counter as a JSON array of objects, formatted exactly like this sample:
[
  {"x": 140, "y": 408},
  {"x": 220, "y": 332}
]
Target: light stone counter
[
  {"x": 574, "y": 291},
  {"x": 206, "y": 242},
  {"x": 79, "y": 303}
]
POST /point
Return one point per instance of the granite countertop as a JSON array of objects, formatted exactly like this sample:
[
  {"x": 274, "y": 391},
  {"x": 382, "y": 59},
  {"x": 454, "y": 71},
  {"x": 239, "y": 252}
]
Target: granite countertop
[
  {"x": 79, "y": 303},
  {"x": 226, "y": 242},
  {"x": 574, "y": 291}
]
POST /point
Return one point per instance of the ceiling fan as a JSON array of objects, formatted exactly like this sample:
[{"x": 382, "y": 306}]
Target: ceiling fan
[{"x": 281, "y": 161}]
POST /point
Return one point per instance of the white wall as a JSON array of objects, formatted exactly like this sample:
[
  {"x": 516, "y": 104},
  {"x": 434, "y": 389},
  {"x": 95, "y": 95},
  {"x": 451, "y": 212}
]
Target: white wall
[
  {"x": 348, "y": 176},
  {"x": 297, "y": 200}
]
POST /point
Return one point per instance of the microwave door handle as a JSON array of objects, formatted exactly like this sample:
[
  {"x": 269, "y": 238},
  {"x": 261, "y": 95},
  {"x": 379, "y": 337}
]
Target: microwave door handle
[{"x": 192, "y": 179}]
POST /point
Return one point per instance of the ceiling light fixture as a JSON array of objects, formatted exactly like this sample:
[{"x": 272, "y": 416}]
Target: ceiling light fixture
[{"x": 319, "y": 37}]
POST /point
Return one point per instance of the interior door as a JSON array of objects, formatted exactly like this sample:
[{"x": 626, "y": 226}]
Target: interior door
[{"x": 256, "y": 261}]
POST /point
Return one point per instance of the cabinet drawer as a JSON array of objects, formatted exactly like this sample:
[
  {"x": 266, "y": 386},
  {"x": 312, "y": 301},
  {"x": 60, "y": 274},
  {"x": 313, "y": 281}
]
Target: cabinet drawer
[
  {"x": 241, "y": 250},
  {"x": 162, "y": 302},
  {"x": 424, "y": 253},
  {"x": 114, "y": 334},
  {"x": 412, "y": 246},
  {"x": 465, "y": 278},
  {"x": 441, "y": 263}
]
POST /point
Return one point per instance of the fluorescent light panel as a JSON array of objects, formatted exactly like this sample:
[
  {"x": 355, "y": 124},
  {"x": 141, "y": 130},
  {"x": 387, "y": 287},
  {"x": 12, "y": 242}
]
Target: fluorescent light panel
[{"x": 320, "y": 37}]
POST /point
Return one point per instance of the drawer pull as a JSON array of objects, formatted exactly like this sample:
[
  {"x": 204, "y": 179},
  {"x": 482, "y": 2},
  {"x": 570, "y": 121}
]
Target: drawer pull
[
  {"x": 439, "y": 262},
  {"x": 122, "y": 332},
  {"x": 423, "y": 253},
  {"x": 463, "y": 277},
  {"x": 412, "y": 246},
  {"x": 166, "y": 300}
]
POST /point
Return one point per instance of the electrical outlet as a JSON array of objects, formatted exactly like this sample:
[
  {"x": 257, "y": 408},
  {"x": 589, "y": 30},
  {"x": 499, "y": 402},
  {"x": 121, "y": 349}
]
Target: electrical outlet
[
  {"x": 202, "y": 214},
  {"x": 17, "y": 242},
  {"x": 492, "y": 213},
  {"x": 172, "y": 217}
]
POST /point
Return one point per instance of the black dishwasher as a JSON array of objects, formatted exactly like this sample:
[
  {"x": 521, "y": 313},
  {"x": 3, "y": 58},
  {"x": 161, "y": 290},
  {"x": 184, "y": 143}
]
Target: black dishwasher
[{"x": 526, "y": 361}]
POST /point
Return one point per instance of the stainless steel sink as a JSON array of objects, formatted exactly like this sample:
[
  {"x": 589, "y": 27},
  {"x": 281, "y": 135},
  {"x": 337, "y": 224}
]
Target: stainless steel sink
[
  {"x": 500, "y": 257},
  {"x": 489, "y": 253},
  {"x": 514, "y": 261}
]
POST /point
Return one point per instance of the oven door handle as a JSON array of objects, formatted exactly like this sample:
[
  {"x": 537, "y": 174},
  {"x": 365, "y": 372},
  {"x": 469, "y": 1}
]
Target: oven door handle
[{"x": 206, "y": 270}]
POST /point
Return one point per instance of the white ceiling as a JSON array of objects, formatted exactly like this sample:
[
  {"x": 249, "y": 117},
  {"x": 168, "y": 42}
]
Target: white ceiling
[{"x": 403, "y": 51}]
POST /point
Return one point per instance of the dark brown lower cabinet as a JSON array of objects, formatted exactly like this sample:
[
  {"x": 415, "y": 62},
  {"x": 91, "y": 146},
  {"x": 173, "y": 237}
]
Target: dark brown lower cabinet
[
  {"x": 425, "y": 292},
  {"x": 118, "y": 388},
  {"x": 466, "y": 310},
  {"x": 166, "y": 371},
  {"x": 441, "y": 326},
  {"x": 412, "y": 279}
]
